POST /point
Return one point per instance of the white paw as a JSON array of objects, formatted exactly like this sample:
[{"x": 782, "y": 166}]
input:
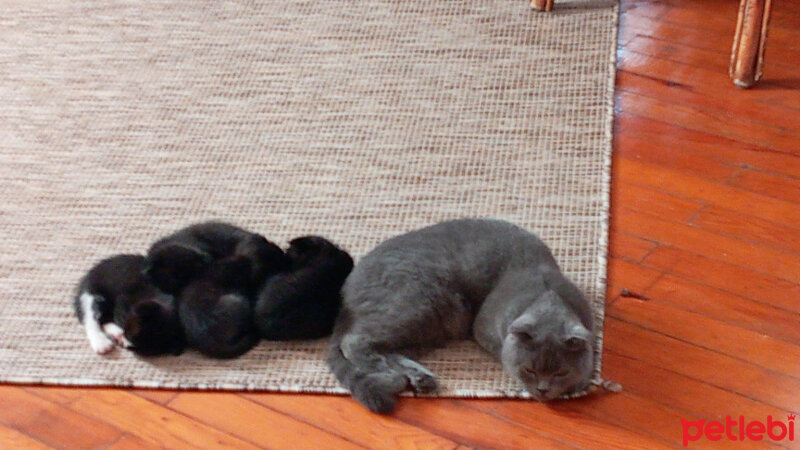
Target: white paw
[
  {"x": 116, "y": 333},
  {"x": 100, "y": 343}
]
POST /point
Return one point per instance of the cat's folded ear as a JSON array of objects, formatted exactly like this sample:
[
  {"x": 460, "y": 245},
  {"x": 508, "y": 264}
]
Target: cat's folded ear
[
  {"x": 577, "y": 338},
  {"x": 522, "y": 329}
]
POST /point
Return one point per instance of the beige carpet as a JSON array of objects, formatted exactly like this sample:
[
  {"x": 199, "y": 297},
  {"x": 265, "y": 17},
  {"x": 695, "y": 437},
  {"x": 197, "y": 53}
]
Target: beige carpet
[{"x": 121, "y": 121}]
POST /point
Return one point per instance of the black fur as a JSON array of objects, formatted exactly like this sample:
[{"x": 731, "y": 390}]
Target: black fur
[
  {"x": 216, "y": 311},
  {"x": 216, "y": 269},
  {"x": 303, "y": 302},
  {"x": 126, "y": 296},
  {"x": 177, "y": 259}
]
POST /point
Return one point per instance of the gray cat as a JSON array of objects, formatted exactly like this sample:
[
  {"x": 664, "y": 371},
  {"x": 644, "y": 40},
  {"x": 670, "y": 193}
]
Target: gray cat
[{"x": 483, "y": 278}]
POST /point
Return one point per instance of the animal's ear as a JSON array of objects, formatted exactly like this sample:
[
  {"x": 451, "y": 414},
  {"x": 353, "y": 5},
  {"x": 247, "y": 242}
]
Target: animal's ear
[
  {"x": 578, "y": 338},
  {"x": 522, "y": 330}
]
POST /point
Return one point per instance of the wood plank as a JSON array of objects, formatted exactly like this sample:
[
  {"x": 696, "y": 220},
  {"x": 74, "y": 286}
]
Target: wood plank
[
  {"x": 705, "y": 95},
  {"x": 768, "y": 184},
  {"x": 160, "y": 396},
  {"x": 784, "y": 35},
  {"x": 152, "y": 423},
  {"x": 675, "y": 157},
  {"x": 686, "y": 34},
  {"x": 62, "y": 395},
  {"x": 711, "y": 34},
  {"x": 648, "y": 200},
  {"x": 713, "y": 368},
  {"x": 747, "y": 283},
  {"x": 709, "y": 121},
  {"x": 724, "y": 306},
  {"x": 50, "y": 422},
  {"x": 703, "y": 88},
  {"x": 653, "y": 10},
  {"x": 732, "y": 151},
  {"x": 709, "y": 60},
  {"x": 224, "y": 411},
  {"x": 475, "y": 428},
  {"x": 629, "y": 411},
  {"x": 128, "y": 442},
  {"x": 612, "y": 293},
  {"x": 630, "y": 276},
  {"x": 575, "y": 428},
  {"x": 627, "y": 247},
  {"x": 362, "y": 426},
  {"x": 768, "y": 352},
  {"x": 678, "y": 53},
  {"x": 735, "y": 199},
  {"x": 631, "y": 13},
  {"x": 681, "y": 392},
  {"x": 13, "y": 439},
  {"x": 750, "y": 228},
  {"x": 699, "y": 241}
]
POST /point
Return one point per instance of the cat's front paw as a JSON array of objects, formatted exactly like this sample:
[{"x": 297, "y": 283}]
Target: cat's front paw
[
  {"x": 116, "y": 333},
  {"x": 100, "y": 343}
]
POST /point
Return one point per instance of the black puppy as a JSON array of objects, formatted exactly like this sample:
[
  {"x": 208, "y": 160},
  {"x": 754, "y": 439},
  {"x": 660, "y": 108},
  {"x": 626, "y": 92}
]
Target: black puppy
[
  {"x": 302, "y": 303},
  {"x": 118, "y": 304}
]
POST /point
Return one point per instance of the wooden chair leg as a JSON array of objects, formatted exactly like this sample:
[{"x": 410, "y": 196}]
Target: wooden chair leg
[
  {"x": 747, "y": 57},
  {"x": 543, "y": 5}
]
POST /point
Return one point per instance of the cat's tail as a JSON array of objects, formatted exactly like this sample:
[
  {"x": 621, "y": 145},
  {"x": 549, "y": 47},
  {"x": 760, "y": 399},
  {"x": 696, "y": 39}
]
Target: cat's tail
[{"x": 374, "y": 386}]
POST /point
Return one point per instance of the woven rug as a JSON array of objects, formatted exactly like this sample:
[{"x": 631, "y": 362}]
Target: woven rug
[{"x": 121, "y": 121}]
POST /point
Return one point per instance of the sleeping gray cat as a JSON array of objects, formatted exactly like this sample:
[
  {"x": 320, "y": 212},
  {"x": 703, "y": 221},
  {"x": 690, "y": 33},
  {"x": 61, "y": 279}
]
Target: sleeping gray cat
[{"x": 483, "y": 278}]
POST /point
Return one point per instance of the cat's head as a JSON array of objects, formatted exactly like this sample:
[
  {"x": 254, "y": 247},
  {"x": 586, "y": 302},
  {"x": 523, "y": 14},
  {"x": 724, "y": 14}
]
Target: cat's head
[
  {"x": 549, "y": 350},
  {"x": 307, "y": 250},
  {"x": 172, "y": 267},
  {"x": 152, "y": 327}
]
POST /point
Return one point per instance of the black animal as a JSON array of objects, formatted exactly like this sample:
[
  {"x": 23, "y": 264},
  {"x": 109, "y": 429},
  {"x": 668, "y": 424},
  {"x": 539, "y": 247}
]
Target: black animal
[
  {"x": 302, "y": 303},
  {"x": 118, "y": 304},
  {"x": 216, "y": 269}
]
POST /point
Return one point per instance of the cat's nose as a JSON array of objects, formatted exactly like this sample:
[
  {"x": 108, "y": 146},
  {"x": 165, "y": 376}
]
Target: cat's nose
[{"x": 543, "y": 391}]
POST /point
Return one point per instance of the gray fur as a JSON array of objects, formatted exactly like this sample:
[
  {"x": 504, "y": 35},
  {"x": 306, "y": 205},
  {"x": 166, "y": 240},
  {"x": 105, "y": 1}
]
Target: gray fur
[{"x": 480, "y": 278}]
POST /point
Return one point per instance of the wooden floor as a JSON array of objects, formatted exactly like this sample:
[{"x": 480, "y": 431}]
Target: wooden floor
[{"x": 705, "y": 225}]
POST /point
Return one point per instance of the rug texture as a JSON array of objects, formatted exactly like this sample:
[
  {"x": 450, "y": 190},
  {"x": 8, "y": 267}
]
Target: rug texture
[{"x": 123, "y": 120}]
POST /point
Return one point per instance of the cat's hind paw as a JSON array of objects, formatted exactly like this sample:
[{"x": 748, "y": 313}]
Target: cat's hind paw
[{"x": 378, "y": 391}]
